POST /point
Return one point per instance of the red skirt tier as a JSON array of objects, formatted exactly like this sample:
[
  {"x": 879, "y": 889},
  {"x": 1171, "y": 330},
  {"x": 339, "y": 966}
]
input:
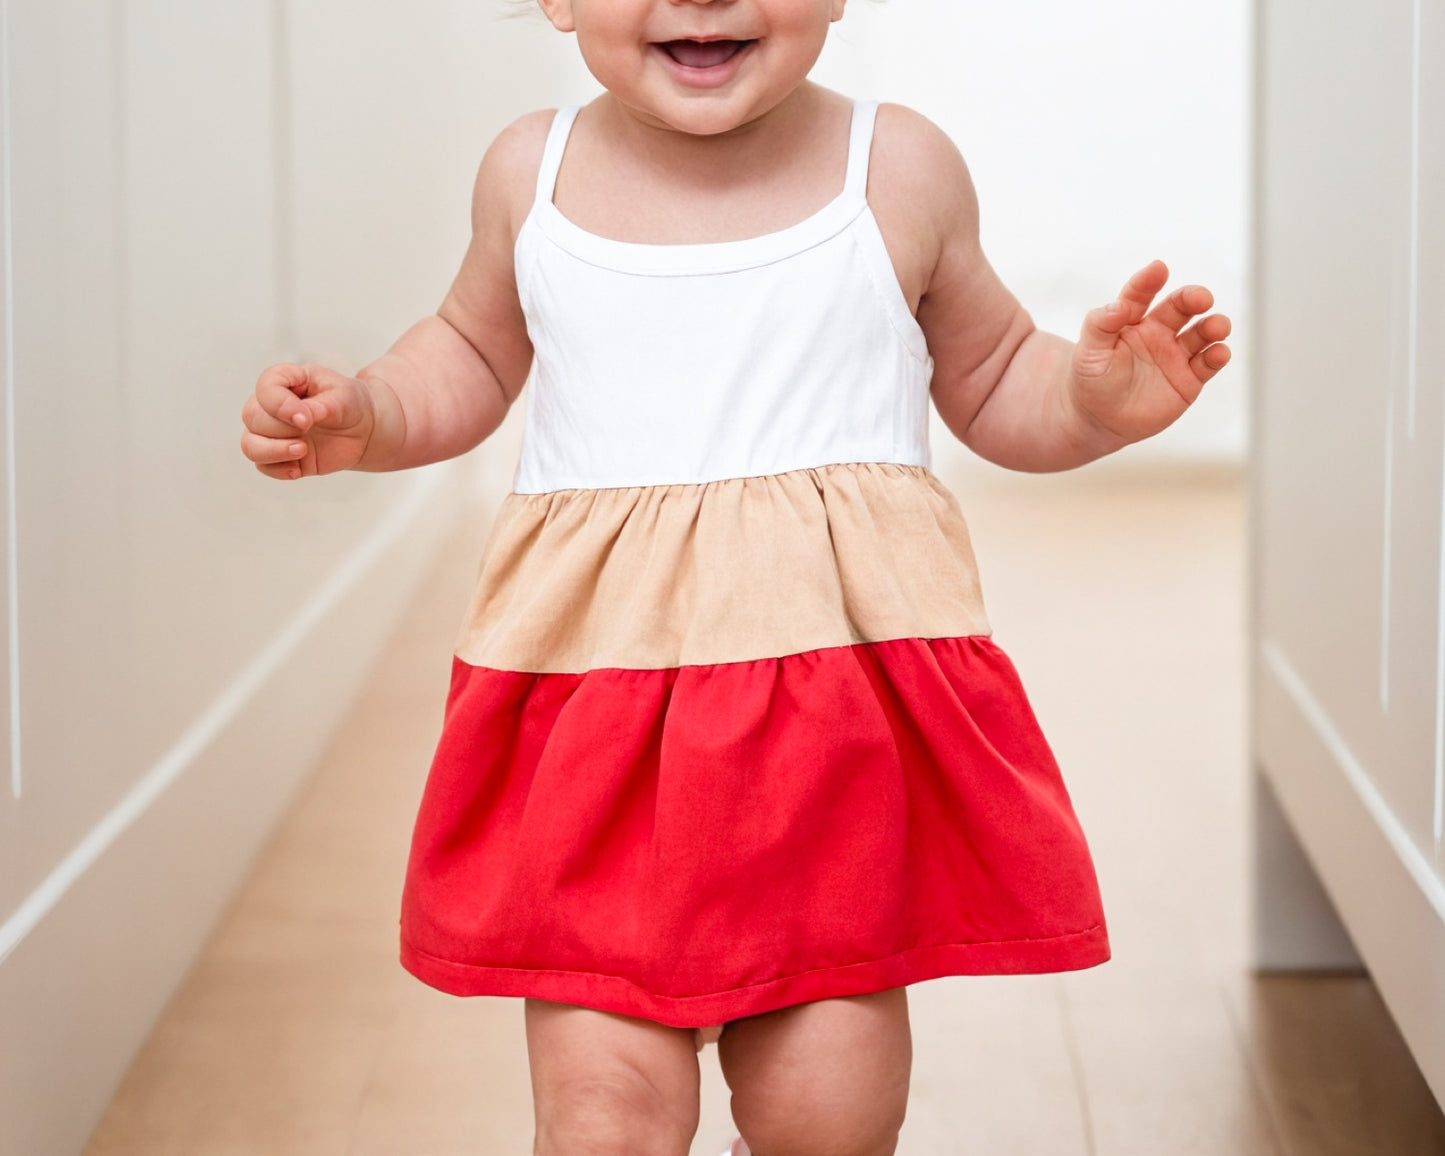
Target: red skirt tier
[{"x": 699, "y": 843}]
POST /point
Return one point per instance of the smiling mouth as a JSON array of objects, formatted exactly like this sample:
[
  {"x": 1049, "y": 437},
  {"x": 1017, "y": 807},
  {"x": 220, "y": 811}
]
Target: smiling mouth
[{"x": 704, "y": 53}]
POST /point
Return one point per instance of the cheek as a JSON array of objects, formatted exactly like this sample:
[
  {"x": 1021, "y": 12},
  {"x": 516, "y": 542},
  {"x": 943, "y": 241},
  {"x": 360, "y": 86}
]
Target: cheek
[
  {"x": 814, "y": 12},
  {"x": 806, "y": 23},
  {"x": 605, "y": 53}
]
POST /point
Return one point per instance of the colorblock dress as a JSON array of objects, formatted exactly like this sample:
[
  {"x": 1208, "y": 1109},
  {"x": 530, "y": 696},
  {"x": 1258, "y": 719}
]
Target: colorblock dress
[{"x": 726, "y": 730}]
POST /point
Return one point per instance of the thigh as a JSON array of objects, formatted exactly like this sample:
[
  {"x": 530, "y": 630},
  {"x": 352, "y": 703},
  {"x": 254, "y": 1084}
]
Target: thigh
[
  {"x": 831, "y": 1075},
  {"x": 596, "y": 1072}
]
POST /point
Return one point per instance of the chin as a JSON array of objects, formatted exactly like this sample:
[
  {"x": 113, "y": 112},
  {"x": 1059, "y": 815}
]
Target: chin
[
  {"x": 707, "y": 116},
  {"x": 705, "y": 125}
]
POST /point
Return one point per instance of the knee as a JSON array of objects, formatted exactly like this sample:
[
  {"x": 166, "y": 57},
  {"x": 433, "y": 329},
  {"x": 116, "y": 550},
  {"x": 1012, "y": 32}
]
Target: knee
[
  {"x": 614, "y": 1116},
  {"x": 808, "y": 1121},
  {"x": 826, "y": 1078}
]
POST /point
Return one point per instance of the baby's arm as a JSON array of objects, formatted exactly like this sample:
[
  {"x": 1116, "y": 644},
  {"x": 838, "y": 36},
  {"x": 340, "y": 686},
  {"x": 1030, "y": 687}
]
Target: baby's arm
[
  {"x": 445, "y": 384},
  {"x": 1018, "y": 396}
]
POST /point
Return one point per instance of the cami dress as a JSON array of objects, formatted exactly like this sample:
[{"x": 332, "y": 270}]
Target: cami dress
[{"x": 726, "y": 730}]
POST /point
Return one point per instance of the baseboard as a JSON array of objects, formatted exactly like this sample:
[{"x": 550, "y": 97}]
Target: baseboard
[
  {"x": 108, "y": 939},
  {"x": 1385, "y": 899}
]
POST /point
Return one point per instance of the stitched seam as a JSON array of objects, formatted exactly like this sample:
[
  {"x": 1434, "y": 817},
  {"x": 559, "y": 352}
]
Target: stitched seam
[
  {"x": 760, "y": 983},
  {"x": 890, "y": 295}
]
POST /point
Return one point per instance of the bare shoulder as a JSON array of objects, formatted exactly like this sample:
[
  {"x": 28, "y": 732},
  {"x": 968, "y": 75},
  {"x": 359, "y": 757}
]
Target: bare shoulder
[
  {"x": 916, "y": 162},
  {"x": 922, "y": 194},
  {"x": 482, "y": 303},
  {"x": 507, "y": 177}
]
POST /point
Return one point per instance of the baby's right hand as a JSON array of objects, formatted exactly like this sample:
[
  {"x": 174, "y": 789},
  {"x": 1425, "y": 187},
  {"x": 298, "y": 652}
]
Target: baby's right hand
[{"x": 306, "y": 419}]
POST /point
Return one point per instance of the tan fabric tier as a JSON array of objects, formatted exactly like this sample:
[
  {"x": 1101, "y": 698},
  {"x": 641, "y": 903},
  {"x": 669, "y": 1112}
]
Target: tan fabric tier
[{"x": 654, "y": 577}]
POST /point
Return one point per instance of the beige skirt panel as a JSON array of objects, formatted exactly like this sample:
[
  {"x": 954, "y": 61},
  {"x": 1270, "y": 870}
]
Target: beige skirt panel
[{"x": 663, "y": 576}]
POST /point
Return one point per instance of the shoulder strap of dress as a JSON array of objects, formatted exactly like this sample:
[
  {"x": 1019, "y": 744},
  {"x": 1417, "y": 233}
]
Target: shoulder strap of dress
[
  {"x": 552, "y": 154},
  {"x": 860, "y": 148}
]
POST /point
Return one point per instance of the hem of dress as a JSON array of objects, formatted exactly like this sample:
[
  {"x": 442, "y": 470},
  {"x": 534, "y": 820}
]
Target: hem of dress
[{"x": 612, "y": 993}]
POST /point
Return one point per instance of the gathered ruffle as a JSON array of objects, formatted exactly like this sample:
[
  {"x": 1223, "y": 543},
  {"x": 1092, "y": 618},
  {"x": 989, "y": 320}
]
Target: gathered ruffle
[
  {"x": 704, "y": 842},
  {"x": 658, "y": 577}
]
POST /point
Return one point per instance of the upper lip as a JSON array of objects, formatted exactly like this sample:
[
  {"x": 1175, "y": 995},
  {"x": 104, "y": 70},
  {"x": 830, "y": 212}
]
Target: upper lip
[{"x": 707, "y": 38}]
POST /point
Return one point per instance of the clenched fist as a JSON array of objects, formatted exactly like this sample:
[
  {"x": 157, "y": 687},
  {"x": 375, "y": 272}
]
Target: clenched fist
[{"x": 305, "y": 420}]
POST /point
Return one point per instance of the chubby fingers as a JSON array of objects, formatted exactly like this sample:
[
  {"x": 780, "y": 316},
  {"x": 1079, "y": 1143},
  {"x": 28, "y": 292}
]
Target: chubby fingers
[
  {"x": 280, "y": 391},
  {"x": 269, "y": 441},
  {"x": 1139, "y": 292},
  {"x": 1103, "y": 325},
  {"x": 276, "y": 417},
  {"x": 1210, "y": 361},
  {"x": 296, "y": 396},
  {"x": 274, "y": 452},
  {"x": 1202, "y": 341},
  {"x": 1202, "y": 334},
  {"x": 1182, "y": 306},
  {"x": 256, "y": 420},
  {"x": 1176, "y": 311}
]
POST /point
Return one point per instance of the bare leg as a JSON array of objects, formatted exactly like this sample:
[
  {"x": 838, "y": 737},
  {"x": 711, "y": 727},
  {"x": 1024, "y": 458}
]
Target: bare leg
[
  {"x": 828, "y": 1078},
  {"x": 605, "y": 1084}
]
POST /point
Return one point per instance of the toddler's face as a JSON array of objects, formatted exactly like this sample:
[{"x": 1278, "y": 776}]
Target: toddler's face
[{"x": 698, "y": 66}]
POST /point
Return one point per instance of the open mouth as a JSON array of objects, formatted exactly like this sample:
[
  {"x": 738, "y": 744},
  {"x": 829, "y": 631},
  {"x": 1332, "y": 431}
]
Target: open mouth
[{"x": 704, "y": 53}]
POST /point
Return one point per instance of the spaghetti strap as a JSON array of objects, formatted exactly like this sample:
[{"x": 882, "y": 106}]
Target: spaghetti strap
[
  {"x": 552, "y": 154},
  {"x": 860, "y": 148}
]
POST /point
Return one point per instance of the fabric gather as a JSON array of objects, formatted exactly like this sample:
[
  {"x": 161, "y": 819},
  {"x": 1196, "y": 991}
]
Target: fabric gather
[{"x": 657, "y": 577}]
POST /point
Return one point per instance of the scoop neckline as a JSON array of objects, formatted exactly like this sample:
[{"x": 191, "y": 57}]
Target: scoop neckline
[{"x": 662, "y": 258}]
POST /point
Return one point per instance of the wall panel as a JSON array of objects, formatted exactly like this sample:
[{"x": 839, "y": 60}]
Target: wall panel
[
  {"x": 1348, "y": 478},
  {"x": 1353, "y": 505},
  {"x": 190, "y": 630},
  {"x": 69, "y": 437},
  {"x": 11, "y": 784}
]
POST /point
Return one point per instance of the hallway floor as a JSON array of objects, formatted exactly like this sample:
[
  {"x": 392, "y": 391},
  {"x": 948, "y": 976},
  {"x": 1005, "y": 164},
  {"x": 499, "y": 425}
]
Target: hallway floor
[{"x": 1120, "y": 596}]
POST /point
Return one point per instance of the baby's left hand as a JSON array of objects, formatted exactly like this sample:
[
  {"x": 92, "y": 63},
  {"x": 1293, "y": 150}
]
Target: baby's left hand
[{"x": 1136, "y": 371}]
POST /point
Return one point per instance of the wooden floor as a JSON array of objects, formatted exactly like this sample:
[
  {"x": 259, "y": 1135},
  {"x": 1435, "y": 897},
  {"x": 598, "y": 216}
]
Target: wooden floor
[{"x": 1121, "y": 599}]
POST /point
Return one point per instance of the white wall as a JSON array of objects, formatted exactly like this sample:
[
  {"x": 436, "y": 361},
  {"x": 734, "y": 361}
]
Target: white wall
[
  {"x": 193, "y": 191},
  {"x": 1349, "y": 505}
]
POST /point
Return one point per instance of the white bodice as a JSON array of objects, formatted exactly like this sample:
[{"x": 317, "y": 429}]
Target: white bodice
[{"x": 681, "y": 364}]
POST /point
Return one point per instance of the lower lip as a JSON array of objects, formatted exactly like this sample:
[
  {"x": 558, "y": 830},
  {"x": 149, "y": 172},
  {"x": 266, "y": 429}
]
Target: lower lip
[{"x": 714, "y": 77}]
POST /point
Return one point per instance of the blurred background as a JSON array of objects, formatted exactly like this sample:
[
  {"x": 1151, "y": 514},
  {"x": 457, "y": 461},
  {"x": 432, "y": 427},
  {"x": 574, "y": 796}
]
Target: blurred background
[{"x": 192, "y": 192}]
